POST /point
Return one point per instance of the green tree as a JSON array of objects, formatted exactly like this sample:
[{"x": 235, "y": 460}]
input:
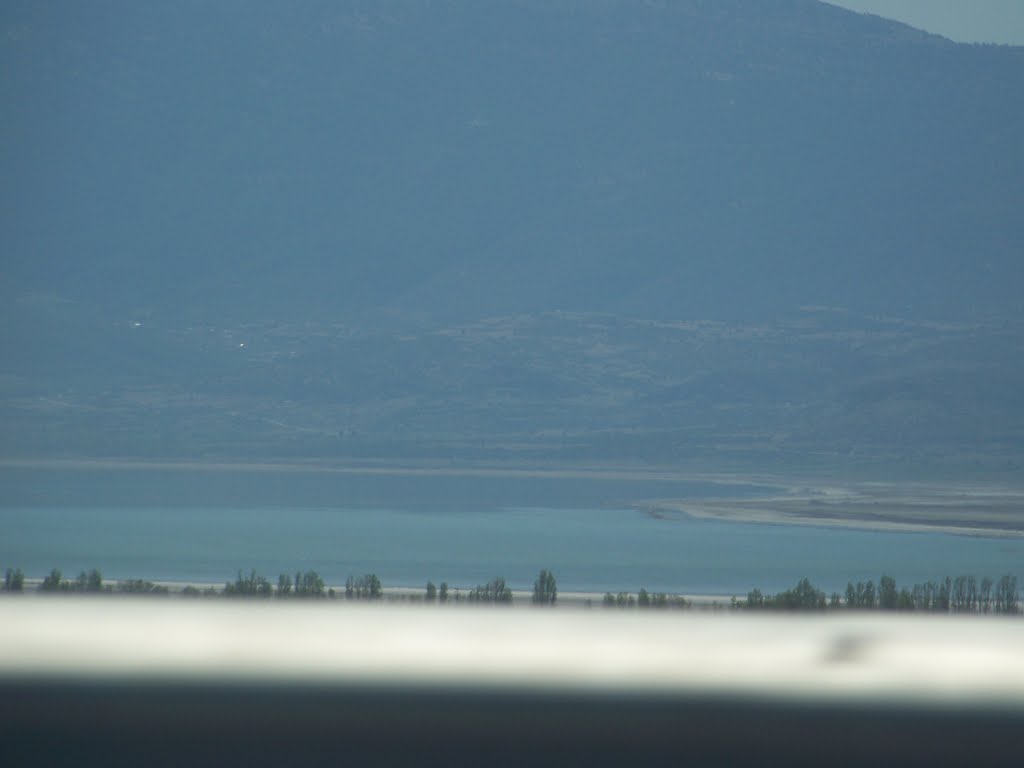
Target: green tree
[
  {"x": 944, "y": 598},
  {"x": 860, "y": 596},
  {"x": 442, "y": 594},
  {"x": 140, "y": 587},
  {"x": 309, "y": 585},
  {"x": 545, "y": 590},
  {"x": 866, "y": 594},
  {"x": 431, "y": 592},
  {"x": 1007, "y": 600},
  {"x": 803, "y": 597},
  {"x": 14, "y": 580},
  {"x": 888, "y": 596},
  {"x": 495, "y": 591},
  {"x": 851, "y": 595},
  {"x": 921, "y": 598},
  {"x": 367, "y": 587},
  {"x": 252, "y": 585},
  {"x": 965, "y": 594},
  {"x": 985, "y": 595},
  {"x": 91, "y": 581},
  {"x": 905, "y": 602},
  {"x": 284, "y": 585},
  {"x": 53, "y": 582},
  {"x": 643, "y": 599}
]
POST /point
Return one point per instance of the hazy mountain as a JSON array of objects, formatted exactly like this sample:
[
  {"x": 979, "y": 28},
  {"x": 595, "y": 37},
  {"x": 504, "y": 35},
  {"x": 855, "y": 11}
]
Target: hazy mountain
[
  {"x": 331, "y": 174},
  {"x": 684, "y": 158}
]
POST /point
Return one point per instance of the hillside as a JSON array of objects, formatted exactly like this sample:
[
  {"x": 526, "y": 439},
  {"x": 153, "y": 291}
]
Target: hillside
[{"x": 513, "y": 224}]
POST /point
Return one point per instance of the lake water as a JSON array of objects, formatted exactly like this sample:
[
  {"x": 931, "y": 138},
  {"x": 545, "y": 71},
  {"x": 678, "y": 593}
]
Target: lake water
[
  {"x": 589, "y": 549},
  {"x": 459, "y": 530}
]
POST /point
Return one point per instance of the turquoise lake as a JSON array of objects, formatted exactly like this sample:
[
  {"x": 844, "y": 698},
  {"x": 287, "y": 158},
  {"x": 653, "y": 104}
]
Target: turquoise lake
[{"x": 463, "y": 531}]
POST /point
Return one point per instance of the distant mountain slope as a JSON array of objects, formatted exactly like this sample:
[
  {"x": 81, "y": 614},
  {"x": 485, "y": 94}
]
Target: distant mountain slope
[
  {"x": 732, "y": 158},
  {"x": 542, "y": 228}
]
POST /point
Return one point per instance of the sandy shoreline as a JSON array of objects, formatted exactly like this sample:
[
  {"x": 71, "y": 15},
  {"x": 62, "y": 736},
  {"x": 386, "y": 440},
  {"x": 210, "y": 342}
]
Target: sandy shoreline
[{"x": 956, "y": 510}]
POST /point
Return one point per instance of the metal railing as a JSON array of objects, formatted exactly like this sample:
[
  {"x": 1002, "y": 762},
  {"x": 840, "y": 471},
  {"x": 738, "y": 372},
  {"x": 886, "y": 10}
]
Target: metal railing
[{"x": 109, "y": 679}]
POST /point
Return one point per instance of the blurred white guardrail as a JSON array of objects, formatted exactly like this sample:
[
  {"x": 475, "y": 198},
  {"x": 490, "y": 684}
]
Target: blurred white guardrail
[{"x": 914, "y": 661}]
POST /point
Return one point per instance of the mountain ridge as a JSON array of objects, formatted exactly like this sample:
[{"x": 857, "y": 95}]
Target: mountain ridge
[
  {"x": 431, "y": 227},
  {"x": 618, "y": 145}
]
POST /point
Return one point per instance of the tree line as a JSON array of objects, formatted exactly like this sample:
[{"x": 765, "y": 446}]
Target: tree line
[
  {"x": 304, "y": 584},
  {"x": 964, "y": 594},
  {"x": 644, "y": 599},
  {"x": 86, "y": 581}
]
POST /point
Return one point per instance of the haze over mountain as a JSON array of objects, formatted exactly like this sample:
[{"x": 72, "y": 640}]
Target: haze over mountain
[{"x": 526, "y": 222}]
